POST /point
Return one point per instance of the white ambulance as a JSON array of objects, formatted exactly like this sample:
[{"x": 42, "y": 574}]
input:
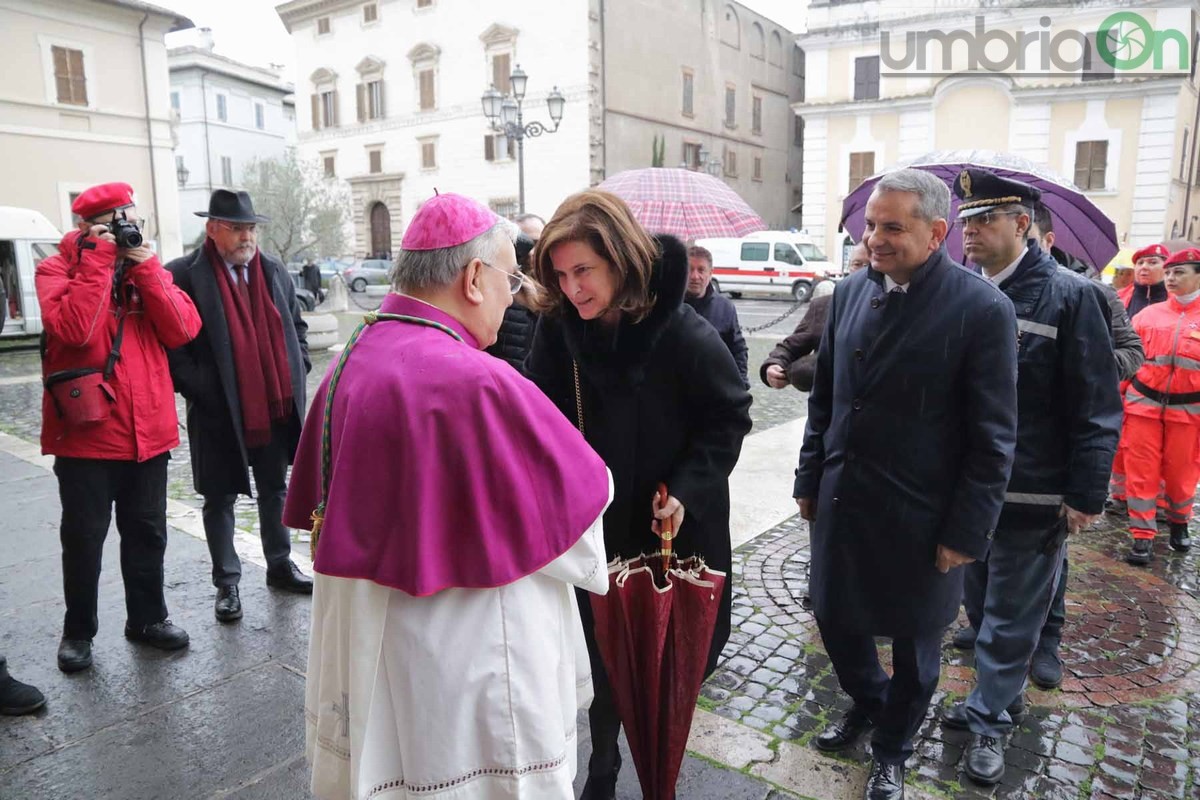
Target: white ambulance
[
  {"x": 26, "y": 237},
  {"x": 775, "y": 262}
]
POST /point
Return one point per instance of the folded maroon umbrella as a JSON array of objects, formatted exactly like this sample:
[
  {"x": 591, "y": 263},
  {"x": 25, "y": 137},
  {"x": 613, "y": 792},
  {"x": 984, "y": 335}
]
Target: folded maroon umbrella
[{"x": 654, "y": 631}]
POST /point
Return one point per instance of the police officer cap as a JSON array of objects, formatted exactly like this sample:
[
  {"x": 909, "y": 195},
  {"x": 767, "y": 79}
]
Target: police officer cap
[{"x": 981, "y": 190}]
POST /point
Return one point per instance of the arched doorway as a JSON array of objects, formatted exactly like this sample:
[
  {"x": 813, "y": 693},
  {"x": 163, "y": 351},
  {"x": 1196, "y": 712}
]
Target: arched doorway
[{"x": 381, "y": 231}]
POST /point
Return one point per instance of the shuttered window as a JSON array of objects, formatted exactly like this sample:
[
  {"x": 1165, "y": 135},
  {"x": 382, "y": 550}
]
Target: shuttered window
[
  {"x": 862, "y": 166},
  {"x": 1091, "y": 164},
  {"x": 68, "y": 76},
  {"x": 502, "y": 72},
  {"x": 866, "y": 78},
  {"x": 428, "y": 100}
]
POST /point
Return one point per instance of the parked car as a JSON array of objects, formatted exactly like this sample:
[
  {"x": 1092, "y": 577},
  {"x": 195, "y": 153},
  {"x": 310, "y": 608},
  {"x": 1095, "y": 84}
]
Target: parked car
[
  {"x": 367, "y": 271},
  {"x": 775, "y": 262}
]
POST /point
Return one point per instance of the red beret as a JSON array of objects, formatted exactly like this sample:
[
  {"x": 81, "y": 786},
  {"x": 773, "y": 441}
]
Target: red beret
[
  {"x": 1151, "y": 250},
  {"x": 1188, "y": 255},
  {"x": 104, "y": 197}
]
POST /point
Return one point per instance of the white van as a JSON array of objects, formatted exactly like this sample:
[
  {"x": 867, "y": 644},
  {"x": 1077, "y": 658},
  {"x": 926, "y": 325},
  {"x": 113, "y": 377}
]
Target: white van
[
  {"x": 26, "y": 237},
  {"x": 775, "y": 262}
]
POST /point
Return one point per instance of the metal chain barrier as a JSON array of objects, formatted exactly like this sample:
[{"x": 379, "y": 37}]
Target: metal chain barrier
[{"x": 775, "y": 321}]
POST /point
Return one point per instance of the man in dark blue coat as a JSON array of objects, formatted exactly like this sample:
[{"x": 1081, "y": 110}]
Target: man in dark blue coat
[
  {"x": 716, "y": 308},
  {"x": 911, "y": 430},
  {"x": 1069, "y": 420}
]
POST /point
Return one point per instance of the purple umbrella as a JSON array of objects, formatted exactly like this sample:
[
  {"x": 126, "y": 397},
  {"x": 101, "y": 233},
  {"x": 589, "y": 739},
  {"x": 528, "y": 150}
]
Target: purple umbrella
[{"x": 1080, "y": 228}]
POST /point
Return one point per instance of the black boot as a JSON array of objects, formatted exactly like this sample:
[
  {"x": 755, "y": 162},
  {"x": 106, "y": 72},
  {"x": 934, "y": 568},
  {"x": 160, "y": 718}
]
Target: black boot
[
  {"x": 886, "y": 782},
  {"x": 845, "y": 731},
  {"x": 601, "y": 785},
  {"x": 17, "y": 698},
  {"x": 1141, "y": 552},
  {"x": 1180, "y": 541}
]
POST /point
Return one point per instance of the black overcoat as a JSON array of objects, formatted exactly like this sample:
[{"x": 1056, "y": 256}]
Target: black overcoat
[
  {"x": 662, "y": 401},
  {"x": 911, "y": 429},
  {"x": 204, "y": 374}
]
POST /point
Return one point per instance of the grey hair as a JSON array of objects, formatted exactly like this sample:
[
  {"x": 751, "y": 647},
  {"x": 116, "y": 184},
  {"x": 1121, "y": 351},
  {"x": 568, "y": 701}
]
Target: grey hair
[
  {"x": 415, "y": 270},
  {"x": 933, "y": 196}
]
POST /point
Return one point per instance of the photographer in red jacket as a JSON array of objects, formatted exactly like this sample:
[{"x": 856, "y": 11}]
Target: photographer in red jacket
[{"x": 110, "y": 312}]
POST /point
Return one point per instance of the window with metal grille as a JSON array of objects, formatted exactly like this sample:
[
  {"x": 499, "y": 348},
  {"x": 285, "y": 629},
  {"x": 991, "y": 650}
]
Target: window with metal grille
[
  {"x": 1091, "y": 164},
  {"x": 730, "y": 107},
  {"x": 866, "y": 78},
  {"x": 862, "y": 166},
  {"x": 428, "y": 99},
  {"x": 69, "y": 78},
  {"x": 689, "y": 85},
  {"x": 502, "y": 72},
  {"x": 507, "y": 207},
  {"x": 322, "y": 26},
  {"x": 756, "y": 115}
]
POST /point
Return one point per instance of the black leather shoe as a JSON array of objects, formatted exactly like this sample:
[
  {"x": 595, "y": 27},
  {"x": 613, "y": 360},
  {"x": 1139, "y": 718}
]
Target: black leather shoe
[
  {"x": 163, "y": 635},
  {"x": 964, "y": 638},
  {"x": 601, "y": 786},
  {"x": 1180, "y": 541},
  {"x": 1046, "y": 670},
  {"x": 956, "y": 715},
  {"x": 229, "y": 605},
  {"x": 289, "y": 578},
  {"x": 17, "y": 698},
  {"x": 886, "y": 782},
  {"x": 846, "y": 731},
  {"x": 74, "y": 654},
  {"x": 985, "y": 760},
  {"x": 1141, "y": 552}
]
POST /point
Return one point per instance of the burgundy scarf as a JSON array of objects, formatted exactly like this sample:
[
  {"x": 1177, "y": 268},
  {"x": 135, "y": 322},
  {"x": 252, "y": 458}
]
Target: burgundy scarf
[{"x": 259, "y": 353}]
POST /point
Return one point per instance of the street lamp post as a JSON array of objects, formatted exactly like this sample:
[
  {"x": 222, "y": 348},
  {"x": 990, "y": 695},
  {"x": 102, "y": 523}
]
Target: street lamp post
[
  {"x": 182, "y": 174},
  {"x": 710, "y": 165},
  {"x": 505, "y": 113}
]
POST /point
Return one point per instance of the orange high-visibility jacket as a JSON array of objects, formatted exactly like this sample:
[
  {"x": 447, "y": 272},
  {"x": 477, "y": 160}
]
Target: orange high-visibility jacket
[{"x": 1168, "y": 384}]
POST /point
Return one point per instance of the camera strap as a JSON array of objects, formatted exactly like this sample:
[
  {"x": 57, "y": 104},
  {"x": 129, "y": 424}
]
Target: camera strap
[{"x": 115, "y": 354}]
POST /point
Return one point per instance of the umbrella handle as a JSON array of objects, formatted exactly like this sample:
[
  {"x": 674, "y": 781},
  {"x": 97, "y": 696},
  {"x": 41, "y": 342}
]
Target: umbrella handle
[{"x": 666, "y": 534}]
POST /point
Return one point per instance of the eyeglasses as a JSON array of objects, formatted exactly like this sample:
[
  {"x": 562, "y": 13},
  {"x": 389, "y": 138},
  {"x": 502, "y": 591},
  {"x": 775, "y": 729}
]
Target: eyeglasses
[
  {"x": 248, "y": 227},
  {"x": 988, "y": 217},
  {"x": 515, "y": 280}
]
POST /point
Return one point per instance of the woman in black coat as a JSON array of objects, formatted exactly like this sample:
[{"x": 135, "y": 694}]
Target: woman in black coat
[{"x": 661, "y": 399}]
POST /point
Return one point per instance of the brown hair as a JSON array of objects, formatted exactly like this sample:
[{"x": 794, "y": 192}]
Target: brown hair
[
  {"x": 603, "y": 222},
  {"x": 696, "y": 251}
]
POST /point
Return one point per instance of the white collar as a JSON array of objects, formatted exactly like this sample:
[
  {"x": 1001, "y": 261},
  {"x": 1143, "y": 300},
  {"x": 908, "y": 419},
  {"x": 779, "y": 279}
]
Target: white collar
[
  {"x": 1006, "y": 273},
  {"x": 891, "y": 286}
]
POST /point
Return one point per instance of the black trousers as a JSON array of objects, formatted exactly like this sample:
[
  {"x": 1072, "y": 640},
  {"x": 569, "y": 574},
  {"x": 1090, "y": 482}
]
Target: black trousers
[
  {"x": 88, "y": 489},
  {"x": 896, "y": 705},
  {"x": 269, "y": 464}
]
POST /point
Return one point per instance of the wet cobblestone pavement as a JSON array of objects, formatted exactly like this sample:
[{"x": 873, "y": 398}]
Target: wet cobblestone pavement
[{"x": 1125, "y": 724}]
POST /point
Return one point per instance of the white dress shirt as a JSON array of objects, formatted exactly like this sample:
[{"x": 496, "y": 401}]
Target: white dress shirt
[
  {"x": 1006, "y": 273},
  {"x": 892, "y": 286}
]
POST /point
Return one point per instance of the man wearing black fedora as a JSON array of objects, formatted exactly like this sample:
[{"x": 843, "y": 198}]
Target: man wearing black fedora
[{"x": 244, "y": 380}]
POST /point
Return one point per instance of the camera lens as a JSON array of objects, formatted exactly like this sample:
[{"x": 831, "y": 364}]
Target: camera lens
[{"x": 126, "y": 234}]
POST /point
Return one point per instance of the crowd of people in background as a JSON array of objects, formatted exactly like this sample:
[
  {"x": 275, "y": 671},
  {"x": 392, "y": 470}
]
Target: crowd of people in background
[{"x": 943, "y": 465}]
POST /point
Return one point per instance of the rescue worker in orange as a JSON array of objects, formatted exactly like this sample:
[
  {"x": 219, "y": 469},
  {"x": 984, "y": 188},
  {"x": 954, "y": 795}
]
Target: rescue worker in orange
[
  {"x": 1162, "y": 411},
  {"x": 1146, "y": 289}
]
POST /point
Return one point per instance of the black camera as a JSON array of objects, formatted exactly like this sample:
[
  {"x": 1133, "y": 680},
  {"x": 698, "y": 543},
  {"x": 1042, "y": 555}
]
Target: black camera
[{"x": 125, "y": 232}]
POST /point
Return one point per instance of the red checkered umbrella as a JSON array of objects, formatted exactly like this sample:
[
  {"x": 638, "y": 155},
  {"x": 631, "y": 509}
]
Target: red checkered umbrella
[{"x": 687, "y": 204}]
